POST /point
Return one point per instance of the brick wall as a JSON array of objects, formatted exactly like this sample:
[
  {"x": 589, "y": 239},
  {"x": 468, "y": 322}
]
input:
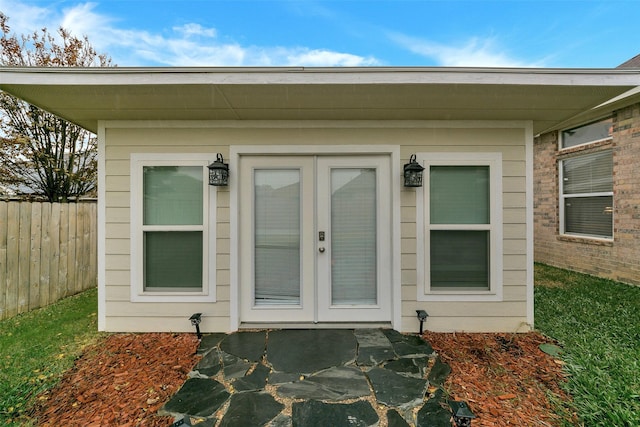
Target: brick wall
[{"x": 620, "y": 259}]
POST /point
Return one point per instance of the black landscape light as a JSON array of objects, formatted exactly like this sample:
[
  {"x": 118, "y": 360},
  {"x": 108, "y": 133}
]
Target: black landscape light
[
  {"x": 422, "y": 317},
  {"x": 462, "y": 415},
  {"x": 196, "y": 318},
  {"x": 219, "y": 172},
  {"x": 413, "y": 173}
]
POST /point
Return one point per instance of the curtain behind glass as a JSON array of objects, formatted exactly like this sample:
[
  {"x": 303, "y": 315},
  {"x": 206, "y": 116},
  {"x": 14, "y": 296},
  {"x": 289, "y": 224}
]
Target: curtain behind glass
[
  {"x": 277, "y": 236},
  {"x": 459, "y": 259},
  {"x": 173, "y": 259},
  {"x": 589, "y": 215},
  {"x": 172, "y": 195},
  {"x": 459, "y": 194},
  {"x": 353, "y": 236},
  {"x": 588, "y": 173}
]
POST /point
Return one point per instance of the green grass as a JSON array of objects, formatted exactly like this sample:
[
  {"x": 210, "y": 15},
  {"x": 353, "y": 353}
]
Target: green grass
[
  {"x": 36, "y": 348},
  {"x": 597, "y": 322}
]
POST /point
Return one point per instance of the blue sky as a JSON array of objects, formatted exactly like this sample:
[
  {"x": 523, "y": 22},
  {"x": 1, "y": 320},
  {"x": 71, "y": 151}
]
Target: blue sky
[{"x": 509, "y": 33}]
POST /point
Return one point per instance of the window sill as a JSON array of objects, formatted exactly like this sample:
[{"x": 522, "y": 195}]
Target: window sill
[
  {"x": 595, "y": 241},
  {"x": 173, "y": 297}
]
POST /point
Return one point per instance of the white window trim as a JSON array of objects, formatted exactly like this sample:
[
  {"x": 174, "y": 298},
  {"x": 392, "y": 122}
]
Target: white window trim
[
  {"x": 138, "y": 294},
  {"x": 561, "y": 202},
  {"x": 495, "y": 227}
]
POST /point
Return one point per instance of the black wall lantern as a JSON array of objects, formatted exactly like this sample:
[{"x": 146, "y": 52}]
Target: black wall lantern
[
  {"x": 218, "y": 172},
  {"x": 413, "y": 173}
]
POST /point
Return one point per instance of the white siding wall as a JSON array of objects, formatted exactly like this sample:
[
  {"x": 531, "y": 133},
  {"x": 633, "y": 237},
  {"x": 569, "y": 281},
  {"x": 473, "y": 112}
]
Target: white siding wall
[{"x": 123, "y": 138}]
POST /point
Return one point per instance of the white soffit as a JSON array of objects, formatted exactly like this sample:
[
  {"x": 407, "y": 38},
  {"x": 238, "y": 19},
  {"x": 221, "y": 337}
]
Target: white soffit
[{"x": 545, "y": 96}]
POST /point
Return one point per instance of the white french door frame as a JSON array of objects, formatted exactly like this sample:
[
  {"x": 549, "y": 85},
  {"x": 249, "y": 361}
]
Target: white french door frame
[{"x": 392, "y": 153}]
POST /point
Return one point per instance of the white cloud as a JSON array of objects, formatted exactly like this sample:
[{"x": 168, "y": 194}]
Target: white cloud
[
  {"x": 321, "y": 57},
  {"x": 23, "y": 18},
  {"x": 195, "y": 30},
  {"x": 187, "y": 45},
  {"x": 475, "y": 52}
]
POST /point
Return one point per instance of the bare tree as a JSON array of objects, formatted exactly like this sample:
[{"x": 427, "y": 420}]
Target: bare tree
[{"x": 41, "y": 153}]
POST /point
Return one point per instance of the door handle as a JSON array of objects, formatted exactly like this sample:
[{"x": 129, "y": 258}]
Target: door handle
[{"x": 321, "y": 249}]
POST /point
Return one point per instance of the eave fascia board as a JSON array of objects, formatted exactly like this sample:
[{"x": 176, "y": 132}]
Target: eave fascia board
[{"x": 316, "y": 76}]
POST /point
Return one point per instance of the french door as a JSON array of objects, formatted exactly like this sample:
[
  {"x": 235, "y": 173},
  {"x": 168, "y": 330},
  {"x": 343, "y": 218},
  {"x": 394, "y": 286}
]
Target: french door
[{"x": 315, "y": 235}]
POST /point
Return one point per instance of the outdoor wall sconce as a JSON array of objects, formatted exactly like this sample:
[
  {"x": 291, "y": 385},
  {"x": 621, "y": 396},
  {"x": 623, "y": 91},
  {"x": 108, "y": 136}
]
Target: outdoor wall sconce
[
  {"x": 462, "y": 415},
  {"x": 422, "y": 317},
  {"x": 413, "y": 173},
  {"x": 196, "y": 318},
  {"x": 218, "y": 172}
]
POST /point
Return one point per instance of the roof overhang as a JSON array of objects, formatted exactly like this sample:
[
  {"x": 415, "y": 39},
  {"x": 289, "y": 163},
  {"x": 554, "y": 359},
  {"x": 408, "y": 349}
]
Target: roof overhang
[
  {"x": 546, "y": 97},
  {"x": 601, "y": 111}
]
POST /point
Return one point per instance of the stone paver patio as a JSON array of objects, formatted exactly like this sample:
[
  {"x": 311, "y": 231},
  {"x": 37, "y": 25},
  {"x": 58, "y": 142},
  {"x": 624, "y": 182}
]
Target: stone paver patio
[{"x": 314, "y": 377}]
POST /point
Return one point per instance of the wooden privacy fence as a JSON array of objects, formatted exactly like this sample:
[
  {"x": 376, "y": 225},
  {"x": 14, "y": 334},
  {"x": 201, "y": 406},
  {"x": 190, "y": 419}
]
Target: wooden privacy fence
[{"x": 48, "y": 251}]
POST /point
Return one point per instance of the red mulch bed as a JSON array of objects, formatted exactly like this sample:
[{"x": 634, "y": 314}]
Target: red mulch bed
[
  {"x": 122, "y": 381},
  {"x": 125, "y": 379},
  {"x": 505, "y": 379}
]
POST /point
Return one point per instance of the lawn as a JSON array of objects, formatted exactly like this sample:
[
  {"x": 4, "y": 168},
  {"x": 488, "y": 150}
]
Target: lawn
[
  {"x": 597, "y": 323},
  {"x": 36, "y": 348}
]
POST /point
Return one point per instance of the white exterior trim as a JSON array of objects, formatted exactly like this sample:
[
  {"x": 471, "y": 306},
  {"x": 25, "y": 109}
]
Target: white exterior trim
[
  {"x": 494, "y": 161},
  {"x": 234, "y": 159},
  {"x": 127, "y": 76},
  {"x": 529, "y": 158},
  {"x": 102, "y": 236},
  {"x": 315, "y": 124},
  {"x": 208, "y": 293}
]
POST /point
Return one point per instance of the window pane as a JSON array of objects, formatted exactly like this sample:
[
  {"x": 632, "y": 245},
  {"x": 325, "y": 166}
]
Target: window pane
[
  {"x": 277, "y": 237},
  {"x": 460, "y": 260},
  {"x": 588, "y": 133},
  {"x": 589, "y": 173},
  {"x": 459, "y": 194},
  {"x": 353, "y": 236},
  {"x": 173, "y": 259},
  {"x": 589, "y": 215},
  {"x": 172, "y": 195}
]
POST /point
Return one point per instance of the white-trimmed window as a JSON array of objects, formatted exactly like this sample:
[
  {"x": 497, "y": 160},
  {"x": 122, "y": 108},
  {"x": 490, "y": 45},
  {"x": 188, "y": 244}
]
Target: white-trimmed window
[
  {"x": 172, "y": 207},
  {"x": 586, "y": 195},
  {"x": 461, "y": 210},
  {"x": 590, "y": 133}
]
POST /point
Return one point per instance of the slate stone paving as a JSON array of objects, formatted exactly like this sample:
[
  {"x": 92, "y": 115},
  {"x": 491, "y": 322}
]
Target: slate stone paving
[{"x": 315, "y": 377}]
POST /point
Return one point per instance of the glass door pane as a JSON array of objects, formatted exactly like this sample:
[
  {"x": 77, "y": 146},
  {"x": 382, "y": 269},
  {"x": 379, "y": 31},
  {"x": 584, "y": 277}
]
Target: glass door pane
[
  {"x": 353, "y": 237},
  {"x": 277, "y": 237}
]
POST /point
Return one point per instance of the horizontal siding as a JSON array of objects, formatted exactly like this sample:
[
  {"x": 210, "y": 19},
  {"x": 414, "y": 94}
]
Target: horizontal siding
[
  {"x": 166, "y": 323},
  {"x": 120, "y": 309},
  {"x": 455, "y": 308},
  {"x": 468, "y": 324},
  {"x": 475, "y": 315},
  {"x": 121, "y": 315},
  {"x": 510, "y": 293}
]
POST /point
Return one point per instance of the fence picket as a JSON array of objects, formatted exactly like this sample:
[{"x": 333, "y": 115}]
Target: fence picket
[
  {"x": 35, "y": 296},
  {"x": 3, "y": 258},
  {"x": 13, "y": 255},
  {"x": 24, "y": 248},
  {"x": 47, "y": 251}
]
